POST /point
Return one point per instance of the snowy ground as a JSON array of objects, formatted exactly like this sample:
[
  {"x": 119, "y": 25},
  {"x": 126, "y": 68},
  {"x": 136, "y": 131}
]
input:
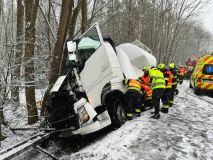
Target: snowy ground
[
  {"x": 16, "y": 118},
  {"x": 185, "y": 133}
]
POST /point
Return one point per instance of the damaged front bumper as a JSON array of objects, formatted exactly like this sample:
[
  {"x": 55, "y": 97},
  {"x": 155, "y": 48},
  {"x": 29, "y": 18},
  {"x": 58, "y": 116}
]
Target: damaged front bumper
[{"x": 89, "y": 121}]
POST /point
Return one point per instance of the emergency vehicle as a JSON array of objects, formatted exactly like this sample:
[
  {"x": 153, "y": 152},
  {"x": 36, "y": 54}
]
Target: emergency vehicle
[
  {"x": 202, "y": 77},
  {"x": 190, "y": 65}
]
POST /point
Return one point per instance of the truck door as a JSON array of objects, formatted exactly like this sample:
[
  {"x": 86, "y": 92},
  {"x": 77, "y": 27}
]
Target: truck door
[{"x": 94, "y": 63}]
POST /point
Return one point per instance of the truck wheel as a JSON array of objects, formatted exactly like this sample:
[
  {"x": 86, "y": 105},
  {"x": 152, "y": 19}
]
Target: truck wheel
[
  {"x": 117, "y": 113},
  {"x": 196, "y": 91}
]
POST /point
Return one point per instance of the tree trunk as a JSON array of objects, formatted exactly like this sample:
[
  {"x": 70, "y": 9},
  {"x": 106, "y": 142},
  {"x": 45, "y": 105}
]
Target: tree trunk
[
  {"x": 84, "y": 16},
  {"x": 71, "y": 27},
  {"x": 58, "y": 48},
  {"x": 61, "y": 35},
  {"x": 48, "y": 29},
  {"x": 1, "y": 118},
  {"x": 30, "y": 19},
  {"x": 19, "y": 51},
  {"x": 130, "y": 27},
  {"x": 73, "y": 19}
]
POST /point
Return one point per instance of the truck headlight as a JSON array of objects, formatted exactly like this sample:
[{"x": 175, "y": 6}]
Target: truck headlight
[{"x": 83, "y": 115}]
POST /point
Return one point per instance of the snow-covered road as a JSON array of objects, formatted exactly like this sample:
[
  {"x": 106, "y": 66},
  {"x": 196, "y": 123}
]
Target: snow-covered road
[{"x": 185, "y": 133}]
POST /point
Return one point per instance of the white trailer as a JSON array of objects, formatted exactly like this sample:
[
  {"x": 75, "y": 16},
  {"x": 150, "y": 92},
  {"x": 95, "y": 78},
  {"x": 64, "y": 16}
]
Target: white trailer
[{"x": 90, "y": 95}]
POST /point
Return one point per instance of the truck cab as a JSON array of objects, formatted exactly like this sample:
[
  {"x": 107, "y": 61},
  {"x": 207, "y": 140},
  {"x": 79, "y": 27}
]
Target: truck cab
[{"x": 89, "y": 96}]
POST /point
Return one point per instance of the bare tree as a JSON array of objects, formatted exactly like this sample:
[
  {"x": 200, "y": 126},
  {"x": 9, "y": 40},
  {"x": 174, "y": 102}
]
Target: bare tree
[
  {"x": 84, "y": 16},
  {"x": 73, "y": 19},
  {"x": 19, "y": 50},
  {"x": 30, "y": 19},
  {"x": 58, "y": 48}
]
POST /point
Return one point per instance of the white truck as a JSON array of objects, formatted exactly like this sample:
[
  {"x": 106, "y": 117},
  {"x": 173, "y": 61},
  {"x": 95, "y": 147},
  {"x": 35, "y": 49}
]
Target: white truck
[{"x": 89, "y": 95}]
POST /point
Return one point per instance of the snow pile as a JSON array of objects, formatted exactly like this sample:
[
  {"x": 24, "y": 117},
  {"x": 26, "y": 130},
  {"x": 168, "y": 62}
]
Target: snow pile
[{"x": 185, "y": 133}]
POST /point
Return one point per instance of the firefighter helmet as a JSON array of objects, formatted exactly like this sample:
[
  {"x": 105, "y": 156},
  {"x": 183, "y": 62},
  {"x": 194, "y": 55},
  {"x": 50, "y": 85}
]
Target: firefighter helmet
[
  {"x": 161, "y": 66},
  {"x": 145, "y": 68},
  {"x": 171, "y": 65}
]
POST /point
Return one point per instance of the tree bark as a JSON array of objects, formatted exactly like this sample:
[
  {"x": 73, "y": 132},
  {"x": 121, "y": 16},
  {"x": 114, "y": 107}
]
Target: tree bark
[
  {"x": 61, "y": 35},
  {"x": 130, "y": 25},
  {"x": 19, "y": 51},
  {"x": 30, "y": 19},
  {"x": 73, "y": 19},
  {"x": 58, "y": 48},
  {"x": 84, "y": 16},
  {"x": 71, "y": 27}
]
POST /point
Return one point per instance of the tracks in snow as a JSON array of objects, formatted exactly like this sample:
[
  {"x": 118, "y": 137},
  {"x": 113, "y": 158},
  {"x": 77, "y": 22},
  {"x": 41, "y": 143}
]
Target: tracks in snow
[{"x": 199, "y": 97}]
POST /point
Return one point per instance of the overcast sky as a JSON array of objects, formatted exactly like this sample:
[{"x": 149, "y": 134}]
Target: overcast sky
[{"x": 208, "y": 18}]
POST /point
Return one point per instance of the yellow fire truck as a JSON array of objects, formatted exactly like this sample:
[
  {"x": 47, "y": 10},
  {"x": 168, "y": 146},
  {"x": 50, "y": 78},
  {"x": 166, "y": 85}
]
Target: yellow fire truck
[{"x": 202, "y": 76}]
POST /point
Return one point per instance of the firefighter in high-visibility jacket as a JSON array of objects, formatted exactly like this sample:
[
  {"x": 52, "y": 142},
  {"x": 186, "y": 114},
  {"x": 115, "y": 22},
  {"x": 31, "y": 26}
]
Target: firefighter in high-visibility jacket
[
  {"x": 145, "y": 78},
  {"x": 168, "y": 90},
  {"x": 181, "y": 73},
  {"x": 174, "y": 82},
  {"x": 133, "y": 97},
  {"x": 146, "y": 97},
  {"x": 157, "y": 86}
]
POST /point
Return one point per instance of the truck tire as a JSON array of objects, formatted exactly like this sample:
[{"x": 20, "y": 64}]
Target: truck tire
[
  {"x": 117, "y": 112},
  {"x": 197, "y": 91}
]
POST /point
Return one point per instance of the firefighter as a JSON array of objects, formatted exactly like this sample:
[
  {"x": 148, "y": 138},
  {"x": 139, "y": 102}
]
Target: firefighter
[
  {"x": 145, "y": 78},
  {"x": 168, "y": 90},
  {"x": 157, "y": 86},
  {"x": 181, "y": 73},
  {"x": 146, "y": 97},
  {"x": 133, "y": 97},
  {"x": 174, "y": 82}
]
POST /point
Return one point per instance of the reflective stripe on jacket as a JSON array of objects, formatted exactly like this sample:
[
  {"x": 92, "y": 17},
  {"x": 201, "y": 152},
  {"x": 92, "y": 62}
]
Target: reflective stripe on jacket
[
  {"x": 133, "y": 85},
  {"x": 174, "y": 77},
  {"x": 157, "y": 79}
]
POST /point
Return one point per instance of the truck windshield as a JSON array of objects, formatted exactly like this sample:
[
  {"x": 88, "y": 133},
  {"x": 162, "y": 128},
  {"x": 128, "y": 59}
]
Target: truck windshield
[
  {"x": 87, "y": 45},
  {"x": 208, "y": 69}
]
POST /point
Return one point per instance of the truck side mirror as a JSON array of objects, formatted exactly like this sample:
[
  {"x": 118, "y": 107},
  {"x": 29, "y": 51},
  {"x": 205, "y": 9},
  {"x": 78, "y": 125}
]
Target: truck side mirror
[{"x": 71, "y": 47}]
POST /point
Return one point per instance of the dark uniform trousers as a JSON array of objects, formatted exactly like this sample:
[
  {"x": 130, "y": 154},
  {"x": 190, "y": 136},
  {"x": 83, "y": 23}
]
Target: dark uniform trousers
[
  {"x": 171, "y": 99},
  {"x": 167, "y": 95},
  {"x": 181, "y": 78},
  {"x": 133, "y": 101},
  {"x": 145, "y": 103},
  {"x": 156, "y": 96}
]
